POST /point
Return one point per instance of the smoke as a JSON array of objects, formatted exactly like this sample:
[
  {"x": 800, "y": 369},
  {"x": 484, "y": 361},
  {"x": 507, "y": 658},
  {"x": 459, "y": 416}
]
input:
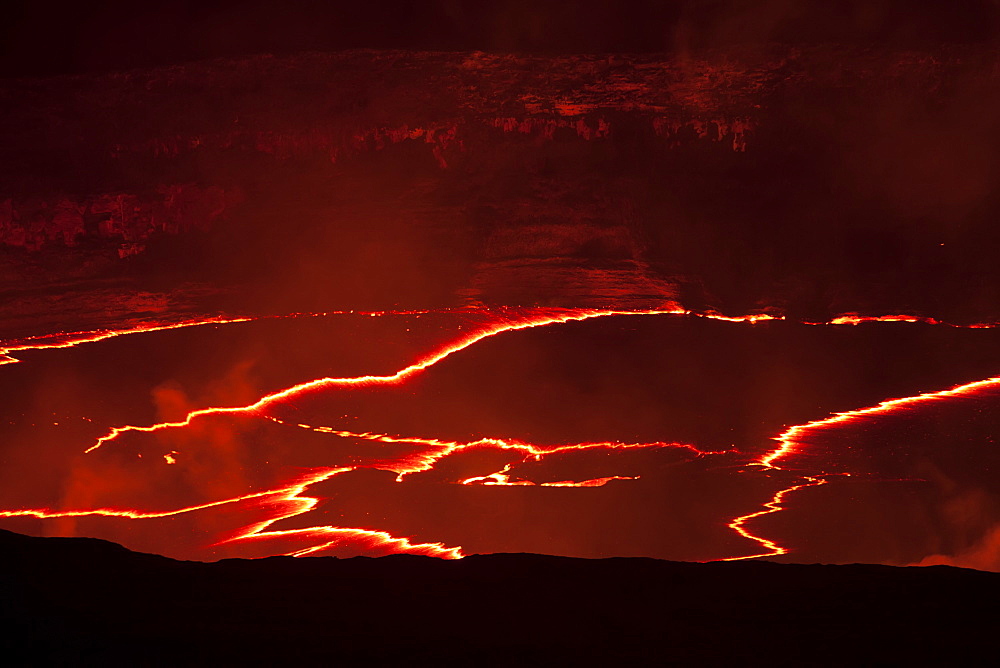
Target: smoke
[
  {"x": 134, "y": 473},
  {"x": 984, "y": 555},
  {"x": 927, "y": 146},
  {"x": 965, "y": 521}
]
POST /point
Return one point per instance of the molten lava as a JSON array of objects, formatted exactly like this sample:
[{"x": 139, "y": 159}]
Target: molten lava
[
  {"x": 290, "y": 500},
  {"x": 70, "y": 339}
]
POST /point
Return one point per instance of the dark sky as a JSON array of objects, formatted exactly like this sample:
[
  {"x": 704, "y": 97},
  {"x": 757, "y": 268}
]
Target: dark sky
[{"x": 44, "y": 38}]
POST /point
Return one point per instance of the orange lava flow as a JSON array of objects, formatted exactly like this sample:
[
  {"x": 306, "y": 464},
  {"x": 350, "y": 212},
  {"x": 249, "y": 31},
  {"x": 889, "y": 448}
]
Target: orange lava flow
[
  {"x": 539, "y": 320},
  {"x": 71, "y": 339},
  {"x": 772, "y": 506},
  {"x": 857, "y": 319},
  {"x": 291, "y": 500},
  {"x": 593, "y": 482},
  {"x": 792, "y": 439},
  {"x": 425, "y": 461},
  {"x": 330, "y": 535},
  {"x": 502, "y": 478},
  {"x": 399, "y": 376},
  {"x": 287, "y": 493}
]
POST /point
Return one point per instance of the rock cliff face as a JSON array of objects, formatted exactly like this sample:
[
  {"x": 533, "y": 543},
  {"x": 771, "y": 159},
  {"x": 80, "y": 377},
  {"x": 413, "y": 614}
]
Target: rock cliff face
[
  {"x": 735, "y": 180},
  {"x": 126, "y": 218},
  {"x": 333, "y": 107}
]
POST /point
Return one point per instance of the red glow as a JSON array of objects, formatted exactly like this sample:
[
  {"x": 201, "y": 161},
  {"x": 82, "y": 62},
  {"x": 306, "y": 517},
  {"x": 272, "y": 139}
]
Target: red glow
[
  {"x": 540, "y": 320},
  {"x": 857, "y": 319},
  {"x": 289, "y": 500},
  {"x": 284, "y": 502},
  {"x": 70, "y": 339},
  {"x": 794, "y": 438},
  {"x": 426, "y": 460},
  {"x": 772, "y": 506},
  {"x": 503, "y": 478}
]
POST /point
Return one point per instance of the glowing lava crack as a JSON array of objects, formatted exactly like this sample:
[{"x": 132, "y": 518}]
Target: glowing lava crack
[
  {"x": 401, "y": 375},
  {"x": 425, "y": 461},
  {"x": 290, "y": 500},
  {"x": 793, "y": 438},
  {"x": 71, "y": 339}
]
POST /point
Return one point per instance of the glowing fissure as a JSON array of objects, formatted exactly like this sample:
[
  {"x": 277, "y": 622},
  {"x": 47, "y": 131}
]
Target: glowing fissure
[
  {"x": 793, "y": 438},
  {"x": 425, "y": 461},
  {"x": 331, "y": 535},
  {"x": 293, "y": 501},
  {"x": 772, "y": 506},
  {"x": 593, "y": 482},
  {"x": 539, "y": 320},
  {"x": 293, "y": 490},
  {"x": 856, "y": 319},
  {"x": 399, "y": 376},
  {"x": 71, "y": 339},
  {"x": 502, "y": 478}
]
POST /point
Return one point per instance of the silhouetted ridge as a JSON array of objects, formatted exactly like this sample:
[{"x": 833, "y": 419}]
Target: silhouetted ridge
[{"x": 84, "y": 601}]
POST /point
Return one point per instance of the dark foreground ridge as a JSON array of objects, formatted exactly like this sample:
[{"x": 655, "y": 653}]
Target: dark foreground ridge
[{"x": 73, "y": 601}]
